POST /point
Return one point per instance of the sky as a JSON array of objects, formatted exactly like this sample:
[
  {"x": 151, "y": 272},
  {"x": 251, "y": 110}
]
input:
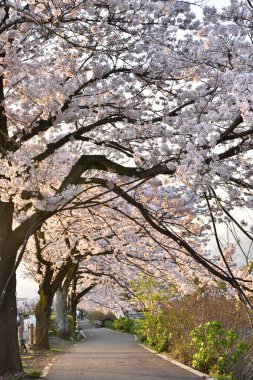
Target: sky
[
  {"x": 27, "y": 288},
  {"x": 219, "y": 3}
]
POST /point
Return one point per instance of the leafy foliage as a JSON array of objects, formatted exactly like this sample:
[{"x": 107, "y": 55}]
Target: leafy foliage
[
  {"x": 71, "y": 324},
  {"x": 126, "y": 325},
  {"x": 216, "y": 349},
  {"x": 109, "y": 324},
  {"x": 169, "y": 324},
  {"x": 153, "y": 296},
  {"x": 154, "y": 331}
]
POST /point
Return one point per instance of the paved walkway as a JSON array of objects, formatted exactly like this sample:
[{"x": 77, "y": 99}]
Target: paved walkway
[{"x": 109, "y": 355}]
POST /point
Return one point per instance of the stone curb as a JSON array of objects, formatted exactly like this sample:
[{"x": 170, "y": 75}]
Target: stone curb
[
  {"x": 82, "y": 333},
  {"x": 46, "y": 370}
]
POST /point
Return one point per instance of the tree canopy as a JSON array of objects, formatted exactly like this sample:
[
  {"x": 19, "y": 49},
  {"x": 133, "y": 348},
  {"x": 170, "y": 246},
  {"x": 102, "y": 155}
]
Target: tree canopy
[{"x": 137, "y": 106}]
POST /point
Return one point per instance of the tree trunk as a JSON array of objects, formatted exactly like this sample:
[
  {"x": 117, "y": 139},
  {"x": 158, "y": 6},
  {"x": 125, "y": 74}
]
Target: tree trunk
[
  {"x": 10, "y": 361},
  {"x": 72, "y": 305},
  {"x": 72, "y": 309},
  {"x": 43, "y": 313},
  {"x": 9, "y": 348},
  {"x": 62, "y": 325}
]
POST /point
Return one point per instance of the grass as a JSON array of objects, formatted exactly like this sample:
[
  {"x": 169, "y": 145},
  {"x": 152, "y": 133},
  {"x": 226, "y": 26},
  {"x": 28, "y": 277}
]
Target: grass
[
  {"x": 27, "y": 356},
  {"x": 32, "y": 373},
  {"x": 222, "y": 377},
  {"x": 56, "y": 349}
]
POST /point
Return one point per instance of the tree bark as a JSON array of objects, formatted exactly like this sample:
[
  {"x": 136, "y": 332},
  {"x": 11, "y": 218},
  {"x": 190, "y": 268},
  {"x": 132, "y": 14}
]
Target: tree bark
[
  {"x": 47, "y": 291},
  {"x": 62, "y": 325},
  {"x": 43, "y": 313},
  {"x": 73, "y": 307},
  {"x": 72, "y": 300},
  {"x": 10, "y": 361}
]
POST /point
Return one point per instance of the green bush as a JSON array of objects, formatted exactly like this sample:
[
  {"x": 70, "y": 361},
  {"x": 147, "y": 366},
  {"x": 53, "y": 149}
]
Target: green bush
[
  {"x": 109, "y": 324},
  {"x": 126, "y": 325},
  {"x": 153, "y": 296},
  {"x": 168, "y": 321},
  {"x": 215, "y": 349},
  {"x": 153, "y": 330},
  {"x": 71, "y": 324}
]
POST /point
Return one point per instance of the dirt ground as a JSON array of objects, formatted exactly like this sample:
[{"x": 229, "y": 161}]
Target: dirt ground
[{"x": 39, "y": 360}]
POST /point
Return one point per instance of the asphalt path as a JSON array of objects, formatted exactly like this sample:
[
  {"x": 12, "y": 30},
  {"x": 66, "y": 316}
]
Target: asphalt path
[{"x": 110, "y": 355}]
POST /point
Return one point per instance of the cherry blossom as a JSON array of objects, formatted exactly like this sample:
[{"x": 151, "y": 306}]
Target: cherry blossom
[{"x": 133, "y": 104}]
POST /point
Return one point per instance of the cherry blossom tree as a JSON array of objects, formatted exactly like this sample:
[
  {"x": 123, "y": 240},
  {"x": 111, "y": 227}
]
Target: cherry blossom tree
[
  {"x": 61, "y": 307},
  {"x": 51, "y": 276},
  {"x": 122, "y": 245},
  {"x": 68, "y": 68},
  {"x": 87, "y": 246},
  {"x": 107, "y": 93}
]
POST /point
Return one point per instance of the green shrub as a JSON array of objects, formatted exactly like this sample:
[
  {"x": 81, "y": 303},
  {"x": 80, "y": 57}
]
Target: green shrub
[
  {"x": 168, "y": 320},
  {"x": 140, "y": 331},
  {"x": 154, "y": 331},
  {"x": 153, "y": 295},
  {"x": 126, "y": 325},
  {"x": 108, "y": 324},
  {"x": 52, "y": 325},
  {"x": 215, "y": 349}
]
